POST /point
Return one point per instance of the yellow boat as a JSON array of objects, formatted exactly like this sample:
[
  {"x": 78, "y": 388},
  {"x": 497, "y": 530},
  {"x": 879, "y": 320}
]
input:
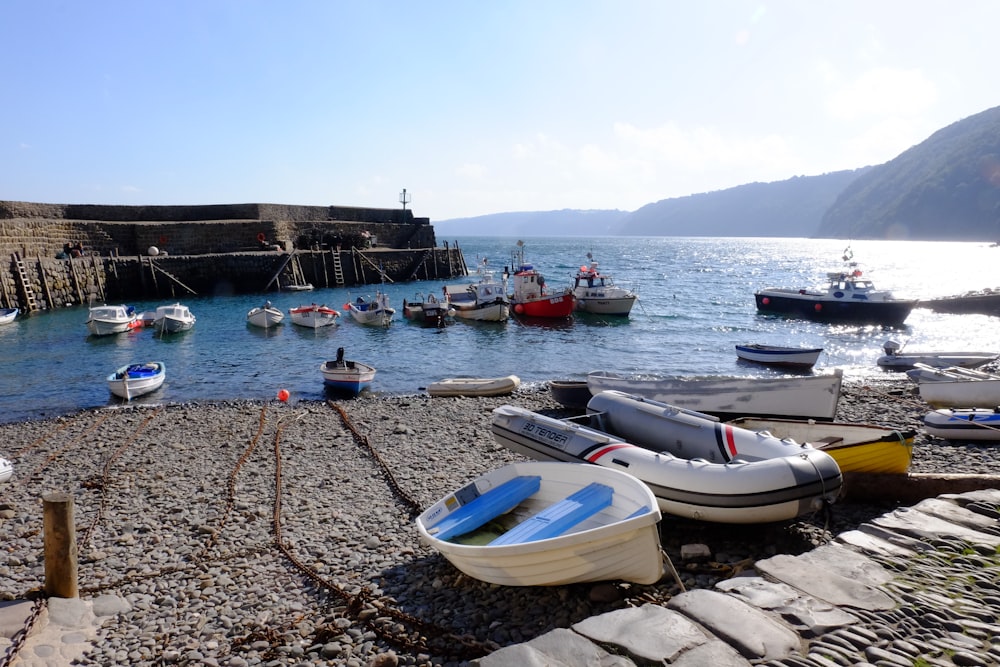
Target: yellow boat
[{"x": 855, "y": 447}]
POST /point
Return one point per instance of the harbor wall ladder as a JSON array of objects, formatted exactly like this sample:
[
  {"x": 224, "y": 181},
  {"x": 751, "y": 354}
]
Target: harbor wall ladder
[
  {"x": 338, "y": 269},
  {"x": 22, "y": 279}
]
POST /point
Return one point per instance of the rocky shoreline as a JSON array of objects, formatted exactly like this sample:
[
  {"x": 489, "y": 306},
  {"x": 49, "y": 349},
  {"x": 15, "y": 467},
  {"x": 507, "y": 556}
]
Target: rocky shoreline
[{"x": 249, "y": 533}]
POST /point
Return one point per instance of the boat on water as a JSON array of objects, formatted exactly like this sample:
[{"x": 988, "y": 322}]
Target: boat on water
[
  {"x": 776, "y": 355},
  {"x": 855, "y": 447},
  {"x": 964, "y": 424},
  {"x": 110, "y": 320},
  {"x": 532, "y": 298},
  {"x": 6, "y": 469},
  {"x": 265, "y": 317},
  {"x": 547, "y": 524},
  {"x": 498, "y": 386},
  {"x": 173, "y": 318},
  {"x": 849, "y": 298},
  {"x": 346, "y": 376},
  {"x": 371, "y": 312},
  {"x": 484, "y": 300},
  {"x": 133, "y": 380},
  {"x": 597, "y": 293},
  {"x": 696, "y": 466},
  {"x": 572, "y": 394},
  {"x": 801, "y": 396},
  {"x": 895, "y": 359},
  {"x": 428, "y": 310},
  {"x": 7, "y": 315},
  {"x": 313, "y": 316},
  {"x": 982, "y": 302}
]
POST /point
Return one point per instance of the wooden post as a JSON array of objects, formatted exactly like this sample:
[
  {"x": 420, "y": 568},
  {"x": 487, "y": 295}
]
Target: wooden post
[{"x": 60, "y": 545}]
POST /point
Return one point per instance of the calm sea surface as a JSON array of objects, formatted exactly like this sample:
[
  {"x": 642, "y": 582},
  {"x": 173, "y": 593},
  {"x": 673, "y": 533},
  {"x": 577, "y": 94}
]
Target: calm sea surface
[{"x": 696, "y": 302}]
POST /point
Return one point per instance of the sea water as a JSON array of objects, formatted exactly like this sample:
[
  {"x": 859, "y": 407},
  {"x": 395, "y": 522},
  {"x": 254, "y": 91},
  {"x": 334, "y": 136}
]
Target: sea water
[{"x": 695, "y": 304}]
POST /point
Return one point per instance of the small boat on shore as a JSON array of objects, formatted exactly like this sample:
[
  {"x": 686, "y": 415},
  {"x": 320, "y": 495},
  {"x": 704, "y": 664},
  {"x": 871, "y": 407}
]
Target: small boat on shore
[
  {"x": 313, "y": 316},
  {"x": 265, "y": 317},
  {"x": 696, "y": 466},
  {"x": 957, "y": 387},
  {"x": 572, "y": 394},
  {"x": 7, "y": 315},
  {"x": 964, "y": 424},
  {"x": 111, "y": 320},
  {"x": 499, "y": 386},
  {"x": 775, "y": 355},
  {"x": 173, "y": 318},
  {"x": 855, "y": 447},
  {"x": 6, "y": 469},
  {"x": 895, "y": 359},
  {"x": 345, "y": 376},
  {"x": 800, "y": 397},
  {"x": 548, "y": 524},
  {"x": 135, "y": 380}
]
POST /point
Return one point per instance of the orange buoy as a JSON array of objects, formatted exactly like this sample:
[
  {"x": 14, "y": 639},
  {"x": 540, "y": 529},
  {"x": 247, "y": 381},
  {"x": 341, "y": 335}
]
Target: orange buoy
[
  {"x": 818, "y": 307},
  {"x": 519, "y": 309},
  {"x": 283, "y": 395}
]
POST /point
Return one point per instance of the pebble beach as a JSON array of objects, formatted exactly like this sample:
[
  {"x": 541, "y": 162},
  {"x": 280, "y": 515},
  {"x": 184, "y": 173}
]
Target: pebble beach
[{"x": 281, "y": 533}]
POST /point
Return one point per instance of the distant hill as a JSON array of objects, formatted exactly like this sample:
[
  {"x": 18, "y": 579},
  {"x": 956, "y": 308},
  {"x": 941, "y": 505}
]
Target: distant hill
[{"x": 945, "y": 188}]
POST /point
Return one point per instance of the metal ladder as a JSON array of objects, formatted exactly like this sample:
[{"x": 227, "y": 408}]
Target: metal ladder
[
  {"x": 338, "y": 270},
  {"x": 22, "y": 279}
]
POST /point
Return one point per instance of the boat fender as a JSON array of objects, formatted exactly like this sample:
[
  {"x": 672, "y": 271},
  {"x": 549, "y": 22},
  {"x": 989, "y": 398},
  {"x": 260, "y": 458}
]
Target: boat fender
[
  {"x": 819, "y": 306},
  {"x": 765, "y": 300}
]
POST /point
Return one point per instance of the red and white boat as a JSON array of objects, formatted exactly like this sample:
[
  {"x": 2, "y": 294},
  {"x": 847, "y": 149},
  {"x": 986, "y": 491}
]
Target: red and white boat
[
  {"x": 313, "y": 316},
  {"x": 531, "y": 298}
]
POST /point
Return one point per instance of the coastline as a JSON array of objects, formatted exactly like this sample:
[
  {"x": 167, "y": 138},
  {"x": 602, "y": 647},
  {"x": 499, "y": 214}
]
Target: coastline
[{"x": 175, "y": 507}]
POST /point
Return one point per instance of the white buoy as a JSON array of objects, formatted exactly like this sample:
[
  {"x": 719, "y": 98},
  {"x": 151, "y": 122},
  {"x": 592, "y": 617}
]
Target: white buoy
[{"x": 153, "y": 251}]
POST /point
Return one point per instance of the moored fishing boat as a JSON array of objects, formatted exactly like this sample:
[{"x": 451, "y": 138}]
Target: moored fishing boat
[
  {"x": 484, "y": 300},
  {"x": 532, "y": 298},
  {"x": 173, "y": 318},
  {"x": 855, "y": 447},
  {"x": 776, "y": 355},
  {"x": 805, "y": 396},
  {"x": 548, "y": 524},
  {"x": 428, "y": 310},
  {"x": 498, "y": 386},
  {"x": 964, "y": 424},
  {"x": 371, "y": 312},
  {"x": 313, "y": 316},
  {"x": 265, "y": 317},
  {"x": 696, "y": 466},
  {"x": 134, "y": 380},
  {"x": 597, "y": 292},
  {"x": 109, "y": 320}
]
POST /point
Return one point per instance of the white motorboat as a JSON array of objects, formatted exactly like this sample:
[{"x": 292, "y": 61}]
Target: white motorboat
[
  {"x": 313, "y": 316},
  {"x": 265, "y": 317},
  {"x": 964, "y": 424},
  {"x": 7, "y": 315},
  {"x": 6, "y": 469},
  {"x": 134, "y": 380},
  {"x": 484, "y": 300},
  {"x": 173, "y": 318},
  {"x": 775, "y": 355},
  {"x": 801, "y": 397},
  {"x": 346, "y": 376},
  {"x": 375, "y": 312},
  {"x": 548, "y": 524},
  {"x": 109, "y": 320},
  {"x": 696, "y": 466},
  {"x": 895, "y": 359},
  {"x": 597, "y": 292},
  {"x": 848, "y": 298},
  {"x": 498, "y": 386},
  {"x": 428, "y": 310}
]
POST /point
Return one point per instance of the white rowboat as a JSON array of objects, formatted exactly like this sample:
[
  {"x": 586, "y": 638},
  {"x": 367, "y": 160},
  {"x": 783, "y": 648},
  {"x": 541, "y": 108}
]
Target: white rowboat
[
  {"x": 774, "y": 355},
  {"x": 135, "y": 380},
  {"x": 554, "y": 524},
  {"x": 265, "y": 317},
  {"x": 474, "y": 386}
]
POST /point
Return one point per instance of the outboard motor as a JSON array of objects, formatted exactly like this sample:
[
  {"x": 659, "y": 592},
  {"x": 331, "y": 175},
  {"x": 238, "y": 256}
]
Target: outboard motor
[{"x": 891, "y": 347}]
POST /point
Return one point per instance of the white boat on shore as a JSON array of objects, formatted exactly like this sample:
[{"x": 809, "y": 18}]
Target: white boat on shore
[
  {"x": 964, "y": 424},
  {"x": 803, "y": 397},
  {"x": 895, "y": 359},
  {"x": 548, "y": 524},
  {"x": 498, "y": 386},
  {"x": 109, "y": 320},
  {"x": 696, "y": 466},
  {"x": 6, "y": 469},
  {"x": 135, "y": 380},
  {"x": 775, "y": 355},
  {"x": 965, "y": 392},
  {"x": 173, "y": 318},
  {"x": 265, "y": 317}
]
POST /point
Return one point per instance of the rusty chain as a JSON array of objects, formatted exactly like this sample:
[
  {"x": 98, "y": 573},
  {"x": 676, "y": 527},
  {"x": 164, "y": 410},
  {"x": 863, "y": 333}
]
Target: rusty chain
[{"x": 19, "y": 637}]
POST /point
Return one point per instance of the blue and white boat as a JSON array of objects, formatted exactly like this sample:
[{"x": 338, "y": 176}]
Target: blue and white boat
[
  {"x": 964, "y": 424},
  {"x": 7, "y": 315},
  {"x": 346, "y": 376},
  {"x": 775, "y": 355},
  {"x": 135, "y": 380}
]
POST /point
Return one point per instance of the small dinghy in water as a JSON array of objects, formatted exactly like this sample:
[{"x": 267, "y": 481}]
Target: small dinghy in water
[{"x": 696, "y": 466}]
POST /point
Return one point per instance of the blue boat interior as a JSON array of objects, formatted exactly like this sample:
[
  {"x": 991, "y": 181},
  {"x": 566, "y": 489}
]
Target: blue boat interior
[{"x": 556, "y": 519}]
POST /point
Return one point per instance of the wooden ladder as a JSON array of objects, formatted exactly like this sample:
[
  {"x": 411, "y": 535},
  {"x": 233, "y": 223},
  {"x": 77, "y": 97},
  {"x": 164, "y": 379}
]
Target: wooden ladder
[
  {"x": 22, "y": 278},
  {"x": 338, "y": 270}
]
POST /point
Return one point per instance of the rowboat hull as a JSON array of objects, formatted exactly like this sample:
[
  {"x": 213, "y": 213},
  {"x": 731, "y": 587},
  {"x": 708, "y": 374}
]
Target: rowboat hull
[
  {"x": 313, "y": 317},
  {"x": 347, "y": 377},
  {"x": 6, "y": 470},
  {"x": 573, "y": 394},
  {"x": 907, "y": 361},
  {"x": 961, "y": 393},
  {"x": 772, "y": 355},
  {"x": 265, "y": 318},
  {"x": 134, "y": 380},
  {"x": 968, "y": 424},
  {"x": 855, "y": 447},
  {"x": 808, "y": 397},
  {"x": 500, "y": 386},
  {"x": 697, "y": 467},
  {"x": 618, "y": 542},
  {"x": 7, "y": 315}
]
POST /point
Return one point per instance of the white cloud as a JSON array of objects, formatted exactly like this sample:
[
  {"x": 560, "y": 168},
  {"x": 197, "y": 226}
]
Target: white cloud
[
  {"x": 471, "y": 172},
  {"x": 881, "y": 92}
]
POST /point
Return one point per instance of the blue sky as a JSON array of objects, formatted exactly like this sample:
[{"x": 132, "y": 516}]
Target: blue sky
[{"x": 473, "y": 107}]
